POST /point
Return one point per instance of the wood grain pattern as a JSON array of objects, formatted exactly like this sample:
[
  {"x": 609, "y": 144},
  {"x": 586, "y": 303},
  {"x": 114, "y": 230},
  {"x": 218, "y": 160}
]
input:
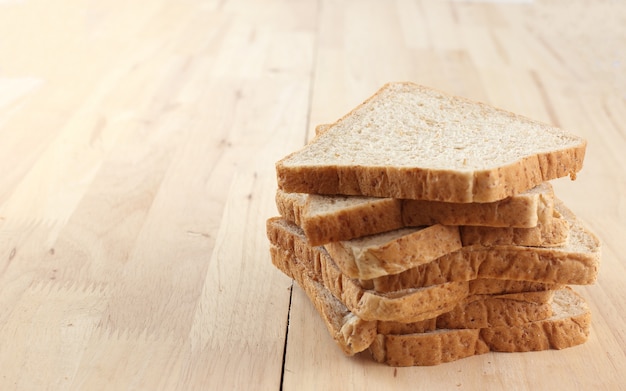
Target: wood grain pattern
[{"x": 137, "y": 150}]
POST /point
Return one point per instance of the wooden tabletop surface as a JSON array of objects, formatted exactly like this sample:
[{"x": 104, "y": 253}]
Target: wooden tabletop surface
[{"x": 137, "y": 150}]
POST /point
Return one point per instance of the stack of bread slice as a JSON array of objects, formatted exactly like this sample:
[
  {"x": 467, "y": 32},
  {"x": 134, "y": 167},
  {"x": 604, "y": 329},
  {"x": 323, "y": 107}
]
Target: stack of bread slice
[{"x": 424, "y": 229}]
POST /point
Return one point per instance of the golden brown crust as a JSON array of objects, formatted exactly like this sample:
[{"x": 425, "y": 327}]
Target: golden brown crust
[
  {"x": 427, "y": 349},
  {"x": 568, "y": 326},
  {"x": 465, "y": 265},
  {"x": 494, "y": 311},
  {"x": 481, "y": 311},
  {"x": 379, "y": 215}
]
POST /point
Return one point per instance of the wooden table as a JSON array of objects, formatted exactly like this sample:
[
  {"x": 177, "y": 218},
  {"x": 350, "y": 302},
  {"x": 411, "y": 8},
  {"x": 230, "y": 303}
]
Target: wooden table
[{"x": 137, "y": 150}]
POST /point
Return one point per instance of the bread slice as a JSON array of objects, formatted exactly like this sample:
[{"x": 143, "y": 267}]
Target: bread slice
[
  {"x": 568, "y": 326},
  {"x": 409, "y": 141},
  {"x": 353, "y": 334},
  {"x": 526, "y": 218},
  {"x": 394, "y": 251},
  {"x": 575, "y": 263},
  {"x": 327, "y": 219}
]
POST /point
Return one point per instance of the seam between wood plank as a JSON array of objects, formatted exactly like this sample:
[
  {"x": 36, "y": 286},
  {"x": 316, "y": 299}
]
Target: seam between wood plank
[{"x": 282, "y": 369}]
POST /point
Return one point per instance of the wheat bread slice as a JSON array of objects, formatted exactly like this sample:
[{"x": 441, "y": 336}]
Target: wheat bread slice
[
  {"x": 327, "y": 219},
  {"x": 575, "y": 263},
  {"x": 410, "y": 141},
  {"x": 568, "y": 326},
  {"x": 394, "y": 251},
  {"x": 332, "y": 218},
  {"x": 353, "y": 334}
]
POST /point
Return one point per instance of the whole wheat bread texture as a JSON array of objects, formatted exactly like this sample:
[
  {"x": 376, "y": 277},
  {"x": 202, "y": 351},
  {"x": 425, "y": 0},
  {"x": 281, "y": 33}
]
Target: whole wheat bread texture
[
  {"x": 353, "y": 334},
  {"x": 494, "y": 286},
  {"x": 396, "y": 251},
  {"x": 295, "y": 258},
  {"x": 568, "y": 326},
  {"x": 525, "y": 219},
  {"x": 474, "y": 326},
  {"x": 575, "y": 263},
  {"x": 409, "y": 141},
  {"x": 552, "y": 233},
  {"x": 291, "y": 254},
  {"x": 408, "y": 305}
]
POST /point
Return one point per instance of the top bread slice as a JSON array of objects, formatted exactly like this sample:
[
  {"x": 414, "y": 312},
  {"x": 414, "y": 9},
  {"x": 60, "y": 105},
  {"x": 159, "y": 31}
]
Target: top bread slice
[{"x": 409, "y": 141}]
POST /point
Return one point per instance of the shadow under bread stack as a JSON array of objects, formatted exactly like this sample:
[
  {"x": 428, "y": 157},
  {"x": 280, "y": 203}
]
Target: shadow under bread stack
[{"x": 424, "y": 229}]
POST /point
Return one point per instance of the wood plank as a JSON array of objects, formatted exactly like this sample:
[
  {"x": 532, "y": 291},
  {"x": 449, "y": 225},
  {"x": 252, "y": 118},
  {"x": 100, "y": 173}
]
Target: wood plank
[{"x": 134, "y": 226}]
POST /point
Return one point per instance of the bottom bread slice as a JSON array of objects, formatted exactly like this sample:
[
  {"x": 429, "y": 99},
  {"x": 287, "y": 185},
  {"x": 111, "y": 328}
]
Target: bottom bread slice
[{"x": 568, "y": 326}]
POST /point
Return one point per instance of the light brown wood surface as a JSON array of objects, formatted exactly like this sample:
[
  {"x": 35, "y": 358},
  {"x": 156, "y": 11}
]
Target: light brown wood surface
[{"x": 137, "y": 150}]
